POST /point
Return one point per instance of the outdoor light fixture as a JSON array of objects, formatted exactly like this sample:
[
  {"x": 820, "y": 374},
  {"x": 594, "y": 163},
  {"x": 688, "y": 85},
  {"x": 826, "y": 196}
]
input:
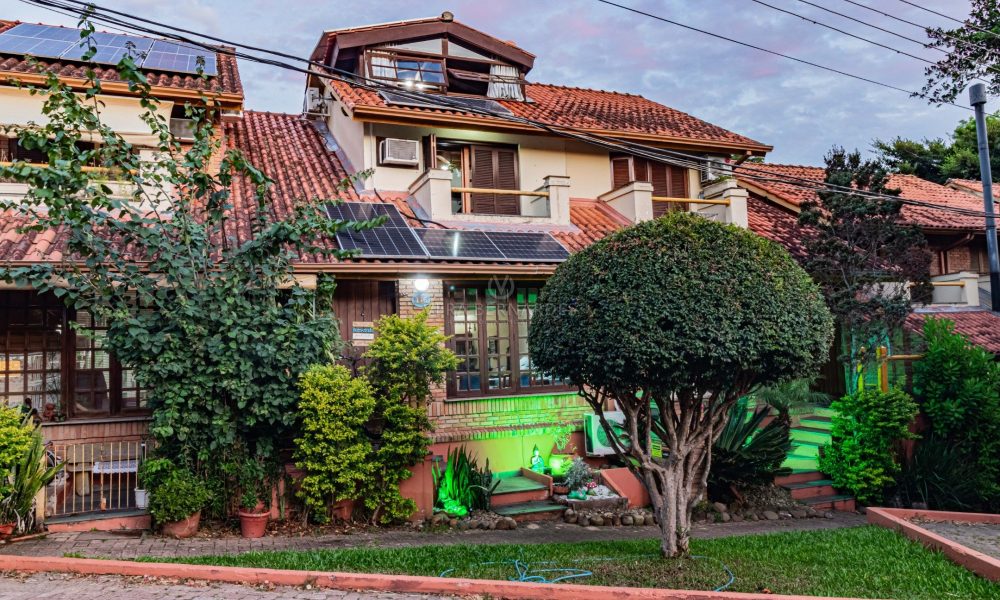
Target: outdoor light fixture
[{"x": 421, "y": 284}]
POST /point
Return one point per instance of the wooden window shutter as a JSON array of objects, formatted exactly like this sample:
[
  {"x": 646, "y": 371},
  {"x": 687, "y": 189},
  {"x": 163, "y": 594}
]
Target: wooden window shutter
[
  {"x": 506, "y": 169},
  {"x": 658, "y": 177},
  {"x": 621, "y": 172},
  {"x": 678, "y": 182},
  {"x": 640, "y": 169},
  {"x": 482, "y": 176},
  {"x": 494, "y": 168}
]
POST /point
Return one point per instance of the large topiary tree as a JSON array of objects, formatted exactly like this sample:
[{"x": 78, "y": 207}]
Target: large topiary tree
[{"x": 671, "y": 321}]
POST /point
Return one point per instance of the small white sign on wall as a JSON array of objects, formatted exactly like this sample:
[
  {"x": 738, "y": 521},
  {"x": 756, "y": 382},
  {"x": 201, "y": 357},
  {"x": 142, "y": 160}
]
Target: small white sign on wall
[{"x": 362, "y": 333}]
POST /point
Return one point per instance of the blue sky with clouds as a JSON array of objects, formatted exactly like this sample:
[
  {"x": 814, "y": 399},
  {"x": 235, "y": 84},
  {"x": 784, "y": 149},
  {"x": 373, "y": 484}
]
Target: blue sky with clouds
[{"x": 800, "y": 110}]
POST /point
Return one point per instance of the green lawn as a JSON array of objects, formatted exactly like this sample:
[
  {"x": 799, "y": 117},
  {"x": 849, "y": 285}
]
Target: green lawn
[{"x": 866, "y": 562}]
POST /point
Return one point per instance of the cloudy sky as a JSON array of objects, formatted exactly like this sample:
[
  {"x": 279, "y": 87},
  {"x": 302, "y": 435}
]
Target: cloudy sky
[{"x": 800, "y": 110}]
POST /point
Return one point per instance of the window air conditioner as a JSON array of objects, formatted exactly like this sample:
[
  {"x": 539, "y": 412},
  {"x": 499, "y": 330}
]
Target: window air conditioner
[
  {"x": 595, "y": 439},
  {"x": 315, "y": 103},
  {"x": 393, "y": 151},
  {"x": 716, "y": 167},
  {"x": 182, "y": 129}
]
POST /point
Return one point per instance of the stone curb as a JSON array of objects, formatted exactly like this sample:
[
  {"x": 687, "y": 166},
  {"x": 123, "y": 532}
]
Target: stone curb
[
  {"x": 977, "y": 562},
  {"x": 514, "y": 590}
]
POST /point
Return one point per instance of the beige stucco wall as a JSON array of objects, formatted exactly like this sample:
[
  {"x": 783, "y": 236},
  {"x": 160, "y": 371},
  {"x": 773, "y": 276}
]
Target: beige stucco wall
[
  {"x": 349, "y": 135},
  {"x": 18, "y": 107}
]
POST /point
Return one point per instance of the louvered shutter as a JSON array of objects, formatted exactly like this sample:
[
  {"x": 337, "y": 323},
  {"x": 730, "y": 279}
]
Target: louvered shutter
[
  {"x": 678, "y": 182},
  {"x": 506, "y": 169},
  {"x": 640, "y": 169},
  {"x": 621, "y": 172},
  {"x": 658, "y": 177},
  {"x": 483, "y": 176}
]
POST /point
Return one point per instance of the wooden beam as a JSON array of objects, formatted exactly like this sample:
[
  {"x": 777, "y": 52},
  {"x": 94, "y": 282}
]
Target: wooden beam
[
  {"x": 475, "y": 190},
  {"x": 723, "y": 202}
]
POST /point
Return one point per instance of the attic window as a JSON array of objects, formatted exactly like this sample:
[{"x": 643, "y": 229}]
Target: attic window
[{"x": 410, "y": 72}]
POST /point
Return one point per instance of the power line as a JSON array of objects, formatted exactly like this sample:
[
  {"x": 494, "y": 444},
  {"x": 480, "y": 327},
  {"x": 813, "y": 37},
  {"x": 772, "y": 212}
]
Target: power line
[
  {"x": 768, "y": 51},
  {"x": 950, "y": 18},
  {"x": 841, "y": 31},
  {"x": 653, "y": 153}
]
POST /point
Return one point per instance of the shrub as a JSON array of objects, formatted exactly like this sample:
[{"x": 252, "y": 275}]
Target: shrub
[
  {"x": 958, "y": 385},
  {"x": 153, "y": 472},
  {"x": 29, "y": 474},
  {"x": 673, "y": 320},
  {"x": 178, "y": 496},
  {"x": 861, "y": 456},
  {"x": 15, "y": 440},
  {"x": 332, "y": 447},
  {"x": 743, "y": 456},
  {"x": 407, "y": 357},
  {"x": 579, "y": 474},
  {"x": 462, "y": 486}
]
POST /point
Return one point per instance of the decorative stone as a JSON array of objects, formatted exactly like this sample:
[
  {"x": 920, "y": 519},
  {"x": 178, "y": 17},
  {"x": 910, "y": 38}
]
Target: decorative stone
[
  {"x": 725, "y": 517},
  {"x": 627, "y": 520},
  {"x": 812, "y": 512},
  {"x": 785, "y": 514},
  {"x": 493, "y": 525},
  {"x": 770, "y": 515},
  {"x": 511, "y": 523},
  {"x": 570, "y": 516},
  {"x": 828, "y": 514},
  {"x": 583, "y": 520},
  {"x": 597, "y": 520},
  {"x": 452, "y": 522},
  {"x": 719, "y": 507},
  {"x": 463, "y": 525},
  {"x": 737, "y": 518},
  {"x": 638, "y": 519},
  {"x": 799, "y": 513}
]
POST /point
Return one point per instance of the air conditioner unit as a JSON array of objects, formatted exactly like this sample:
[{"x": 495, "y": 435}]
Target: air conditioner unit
[
  {"x": 393, "y": 151},
  {"x": 315, "y": 103},
  {"x": 716, "y": 167},
  {"x": 182, "y": 129},
  {"x": 595, "y": 438}
]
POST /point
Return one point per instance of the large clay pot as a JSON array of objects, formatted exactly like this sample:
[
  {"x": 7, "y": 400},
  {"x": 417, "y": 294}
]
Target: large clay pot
[
  {"x": 253, "y": 524},
  {"x": 183, "y": 529}
]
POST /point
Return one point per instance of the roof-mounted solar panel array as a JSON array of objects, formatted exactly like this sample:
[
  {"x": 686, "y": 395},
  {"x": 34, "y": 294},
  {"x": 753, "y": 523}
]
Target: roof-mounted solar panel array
[
  {"x": 454, "y": 103},
  {"x": 395, "y": 239},
  {"x": 47, "y": 41}
]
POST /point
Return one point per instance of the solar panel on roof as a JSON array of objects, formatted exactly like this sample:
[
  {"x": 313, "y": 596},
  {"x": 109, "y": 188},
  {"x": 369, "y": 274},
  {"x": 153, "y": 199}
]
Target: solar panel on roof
[
  {"x": 392, "y": 239},
  {"x": 454, "y": 243},
  {"x": 420, "y": 100},
  {"x": 48, "y": 41},
  {"x": 541, "y": 247},
  {"x": 172, "y": 56}
]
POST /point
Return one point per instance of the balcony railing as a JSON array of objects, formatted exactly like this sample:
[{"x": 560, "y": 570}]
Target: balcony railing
[{"x": 531, "y": 203}]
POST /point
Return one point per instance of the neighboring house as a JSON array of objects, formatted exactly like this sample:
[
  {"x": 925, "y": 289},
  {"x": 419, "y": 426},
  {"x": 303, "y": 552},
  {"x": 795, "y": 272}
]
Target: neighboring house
[
  {"x": 92, "y": 411},
  {"x": 959, "y": 269},
  {"x": 484, "y": 210}
]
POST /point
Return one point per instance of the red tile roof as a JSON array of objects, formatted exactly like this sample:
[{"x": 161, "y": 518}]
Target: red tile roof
[
  {"x": 981, "y": 327},
  {"x": 776, "y": 224},
  {"x": 973, "y": 186},
  {"x": 592, "y": 110},
  {"x": 227, "y": 81},
  {"x": 292, "y": 151},
  {"x": 911, "y": 187}
]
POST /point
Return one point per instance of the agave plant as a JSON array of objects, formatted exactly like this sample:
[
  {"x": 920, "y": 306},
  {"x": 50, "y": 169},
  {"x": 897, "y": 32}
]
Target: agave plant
[
  {"x": 462, "y": 486},
  {"x": 746, "y": 454},
  {"x": 28, "y": 477}
]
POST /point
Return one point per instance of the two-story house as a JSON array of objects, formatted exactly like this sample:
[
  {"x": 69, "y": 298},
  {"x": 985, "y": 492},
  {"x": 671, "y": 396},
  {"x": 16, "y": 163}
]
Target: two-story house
[
  {"x": 485, "y": 196},
  {"x": 91, "y": 409}
]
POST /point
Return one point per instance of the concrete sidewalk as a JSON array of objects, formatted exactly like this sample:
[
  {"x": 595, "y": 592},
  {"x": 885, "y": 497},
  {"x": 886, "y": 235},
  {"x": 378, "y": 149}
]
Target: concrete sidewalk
[{"x": 98, "y": 544}]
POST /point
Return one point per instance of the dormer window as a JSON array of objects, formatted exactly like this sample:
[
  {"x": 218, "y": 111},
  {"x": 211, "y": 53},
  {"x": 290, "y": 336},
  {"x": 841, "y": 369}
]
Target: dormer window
[{"x": 410, "y": 72}]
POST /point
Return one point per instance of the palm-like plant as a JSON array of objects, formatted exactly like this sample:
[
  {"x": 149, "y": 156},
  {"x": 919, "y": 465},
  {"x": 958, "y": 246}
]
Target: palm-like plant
[
  {"x": 784, "y": 397},
  {"x": 28, "y": 477},
  {"x": 744, "y": 454}
]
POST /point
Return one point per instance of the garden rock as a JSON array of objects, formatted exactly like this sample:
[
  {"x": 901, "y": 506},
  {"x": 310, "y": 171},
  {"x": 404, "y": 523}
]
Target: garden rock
[
  {"x": 719, "y": 507},
  {"x": 583, "y": 521},
  {"x": 627, "y": 520},
  {"x": 511, "y": 523},
  {"x": 570, "y": 515},
  {"x": 799, "y": 513},
  {"x": 828, "y": 514},
  {"x": 737, "y": 518},
  {"x": 597, "y": 520},
  {"x": 770, "y": 515},
  {"x": 812, "y": 512},
  {"x": 452, "y": 522},
  {"x": 638, "y": 519},
  {"x": 785, "y": 514},
  {"x": 532, "y": 526},
  {"x": 725, "y": 517}
]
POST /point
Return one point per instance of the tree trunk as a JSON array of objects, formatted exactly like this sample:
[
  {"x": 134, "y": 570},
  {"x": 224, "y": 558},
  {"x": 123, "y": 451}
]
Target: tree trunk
[{"x": 671, "y": 504}]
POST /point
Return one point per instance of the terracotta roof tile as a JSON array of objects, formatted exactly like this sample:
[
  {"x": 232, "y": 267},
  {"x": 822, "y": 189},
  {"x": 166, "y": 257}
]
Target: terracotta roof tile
[
  {"x": 593, "y": 110},
  {"x": 911, "y": 187},
  {"x": 973, "y": 186},
  {"x": 776, "y": 224},
  {"x": 981, "y": 327},
  {"x": 227, "y": 81}
]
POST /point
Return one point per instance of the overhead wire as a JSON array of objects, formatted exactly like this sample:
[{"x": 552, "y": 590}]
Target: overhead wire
[
  {"x": 657, "y": 154},
  {"x": 951, "y": 18}
]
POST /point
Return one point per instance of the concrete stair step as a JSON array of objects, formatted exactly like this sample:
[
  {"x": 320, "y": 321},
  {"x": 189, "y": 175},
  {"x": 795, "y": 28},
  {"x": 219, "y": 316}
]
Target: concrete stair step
[
  {"x": 516, "y": 484},
  {"x": 805, "y": 449},
  {"x": 814, "y": 422},
  {"x": 841, "y": 502},
  {"x": 810, "y": 435},
  {"x": 540, "y": 510},
  {"x": 799, "y": 476}
]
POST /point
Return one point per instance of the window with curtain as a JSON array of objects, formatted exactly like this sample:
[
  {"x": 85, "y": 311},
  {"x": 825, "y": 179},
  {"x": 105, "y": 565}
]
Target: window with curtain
[
  {"x": 489, "y": 335},
  {"x": 407, "y": 71},
  {"x": 505, "y": 83}
]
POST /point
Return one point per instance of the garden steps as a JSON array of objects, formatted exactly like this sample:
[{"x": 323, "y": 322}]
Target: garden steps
[
  {"x": 806, "y": 483},
  {"x": 811, "y": 489},
  {"x": 843, "y": 502},
  {"x": 519, "y": 490},
  {"x": 538, "y": 510}
]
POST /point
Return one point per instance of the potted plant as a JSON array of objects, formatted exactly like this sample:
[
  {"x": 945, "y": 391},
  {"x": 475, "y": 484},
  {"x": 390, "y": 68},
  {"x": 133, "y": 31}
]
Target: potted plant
[
  {"x": 251, "y": 480},
  {"x": 29, "y": 474},
  {"x": 175, "y": 503},
  {"x": 561, "y": 459}
]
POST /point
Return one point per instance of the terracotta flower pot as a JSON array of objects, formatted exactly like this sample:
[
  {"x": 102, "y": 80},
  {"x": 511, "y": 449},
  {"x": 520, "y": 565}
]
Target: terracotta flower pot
[
  {"x": 6, "y": 530},
  {"x": 183, "y": 529},
  {"x": 253, "y": 524}
]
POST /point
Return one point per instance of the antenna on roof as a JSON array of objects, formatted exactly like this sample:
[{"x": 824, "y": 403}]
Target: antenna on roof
[{"x": 447, "y": 16}]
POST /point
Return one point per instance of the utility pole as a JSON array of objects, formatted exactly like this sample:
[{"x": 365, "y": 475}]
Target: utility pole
[{"x": 977, "y": 97}]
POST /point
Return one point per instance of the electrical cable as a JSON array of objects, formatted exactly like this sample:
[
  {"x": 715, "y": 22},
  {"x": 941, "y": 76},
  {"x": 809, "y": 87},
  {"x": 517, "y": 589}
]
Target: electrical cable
[
  {"x": 951, "y": 18},
  {"x": 773, "y": 52},
  {"x": 656, "y": 154}
]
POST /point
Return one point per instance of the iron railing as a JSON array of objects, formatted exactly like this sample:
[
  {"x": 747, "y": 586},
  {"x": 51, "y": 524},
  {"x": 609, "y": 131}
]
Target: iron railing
[{"x": 97, "y": 477}]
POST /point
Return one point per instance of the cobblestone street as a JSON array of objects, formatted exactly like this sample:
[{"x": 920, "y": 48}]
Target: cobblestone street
[{"x": 14, "y": 586}]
